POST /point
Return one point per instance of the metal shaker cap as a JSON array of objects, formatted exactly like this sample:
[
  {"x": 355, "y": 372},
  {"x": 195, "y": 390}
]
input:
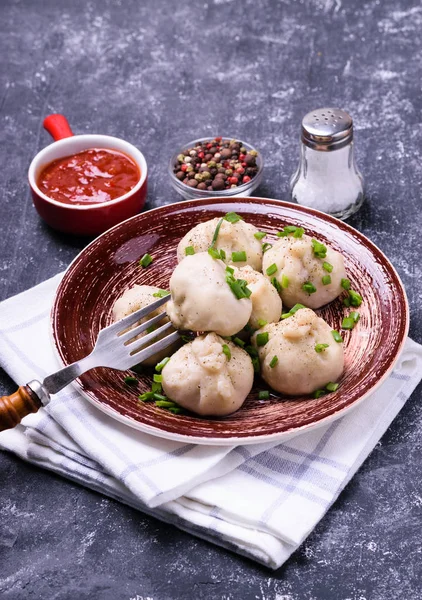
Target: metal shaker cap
[{"x": 327, "y": 129}]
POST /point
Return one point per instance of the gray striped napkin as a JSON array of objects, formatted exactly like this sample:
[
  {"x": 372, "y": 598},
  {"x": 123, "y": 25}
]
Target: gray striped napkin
[{"x": 261, "y": 500}]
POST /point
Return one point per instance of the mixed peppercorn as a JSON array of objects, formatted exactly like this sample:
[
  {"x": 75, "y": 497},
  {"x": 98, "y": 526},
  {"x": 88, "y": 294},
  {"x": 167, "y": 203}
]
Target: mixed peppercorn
[{"x": 216, "y": 165}]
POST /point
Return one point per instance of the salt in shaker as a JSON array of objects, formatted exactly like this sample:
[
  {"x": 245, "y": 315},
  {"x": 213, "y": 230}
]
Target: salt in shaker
[{"x": 327, "y": 177}]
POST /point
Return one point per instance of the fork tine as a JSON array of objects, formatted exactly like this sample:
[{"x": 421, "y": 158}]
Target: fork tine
[
  {"x": 136, "y": 316},
  {"x": 128, "y": 335},
  {"x": 142, "y": 355},
  {"x": 143, "y": 341}
]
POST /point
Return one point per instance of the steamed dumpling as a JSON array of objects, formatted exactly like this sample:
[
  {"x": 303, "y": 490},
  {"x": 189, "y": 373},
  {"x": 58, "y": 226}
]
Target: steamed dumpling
[
  {"x": 201, "y": 298},
  {"x": 300, "y": 369},
  {"x": 266, "y": 303},
  {"x": 294, "y": 258},
  {"x": 232, "y": 237},
  {"x": 132, "y": 300},
  {"x": 201, "y": 378}
]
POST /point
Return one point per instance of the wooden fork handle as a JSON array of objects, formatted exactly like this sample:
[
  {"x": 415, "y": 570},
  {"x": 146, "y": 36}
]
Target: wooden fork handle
[{"x": 15, "y": 407}]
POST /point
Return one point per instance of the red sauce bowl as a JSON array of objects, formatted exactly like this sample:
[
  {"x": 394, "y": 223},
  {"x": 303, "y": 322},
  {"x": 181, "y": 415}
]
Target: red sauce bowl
[{"x": 88, "y": 219}]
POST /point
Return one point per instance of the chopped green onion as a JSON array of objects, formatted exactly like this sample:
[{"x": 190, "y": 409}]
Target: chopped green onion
[
  {"x": 239, "y": 287},
  {"x": 262, "y": 338},
  {"x": 165, "y": 403},
  {"x": 345, "y": 284},
  {"x": 332, "y": 387},
  {"x": 266, "y": 246},
  {"x": 160, "y": 397},
  {"x": 295, "y": 308},
  {"x": 176, "y": 410},
  {"x": 320, "y": 347},
  {"x": 147, "y": 396},
  {"x": 318, "y": 393},
  {"x": 327, "y": 267},
  {"x": 263, "y": 395},
  {"x": 157, "y": 378},
  {"x": 271, "y": 269},
  {"x": 189, "y": 250},
  {"x": 222, "y": 254},
  {"x": 337, "y": 337},
  {"x": 292, "y": 311},
  {"x": 284, "y": 281},
  {"x": 309, "y": 287},
  {"x": 253, "y": 353},
  {"x": 130, "y": 380},
  {"x": 326, "y": 279},
  {"x": 232, "y": 217},
  {"x": 355, "y": 316},
  {"x": 226, "y": 351},
  {"x": 161, "y": 294},
  {"x": 238, "y": 342},
  {"x": 214, "y": 252},
  {"x": 355, "y": 298},
  {"x": 216, "y": 232},
  {"x": 347, "y": 323},
  {"x": 320, "y": 250},
  {"x": 276, "y": 284},
  {"x": 151, "y": 328},
  {"x": 239, "y": 256},
  {"x": 346, "y": 301},
  {"x": 259, "y": 235},
  {"x": 262, "y": 322},
  {"x": 291, "y": 229},
  {"x": 273, "y": 362},
  {"x": 162, "y": 364},
  {"x": 186, "y": 338},
  {"x": 145, "y": 260},
  {"x": 156, "y": 387},
  {"x": 299, "y": 232}
]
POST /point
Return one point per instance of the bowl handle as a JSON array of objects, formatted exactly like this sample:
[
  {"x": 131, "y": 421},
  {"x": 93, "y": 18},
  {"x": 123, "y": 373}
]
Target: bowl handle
[{"x": 58, "y": 127}]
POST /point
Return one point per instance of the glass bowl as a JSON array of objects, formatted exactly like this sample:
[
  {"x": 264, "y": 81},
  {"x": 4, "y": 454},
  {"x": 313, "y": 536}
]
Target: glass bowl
[{"x": 189, "y": 193}]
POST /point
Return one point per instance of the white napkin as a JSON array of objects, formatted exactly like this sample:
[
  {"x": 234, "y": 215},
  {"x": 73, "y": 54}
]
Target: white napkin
[{"x": 261, "y": 500}]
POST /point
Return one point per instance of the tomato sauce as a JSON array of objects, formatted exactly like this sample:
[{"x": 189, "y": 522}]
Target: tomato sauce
[{"x": 89, "y": 177}]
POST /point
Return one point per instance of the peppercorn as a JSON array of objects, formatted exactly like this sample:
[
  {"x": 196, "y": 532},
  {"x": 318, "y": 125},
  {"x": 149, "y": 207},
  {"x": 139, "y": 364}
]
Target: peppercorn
[
  {"x": 192, "y": 183},
  {"x": 218, "y": 184},
  {"x": 250, "y": 160},
  {"x": 202, "y": 186},
  {"x": 180, "y": 175},
  {"x": 226, "y": 153}
]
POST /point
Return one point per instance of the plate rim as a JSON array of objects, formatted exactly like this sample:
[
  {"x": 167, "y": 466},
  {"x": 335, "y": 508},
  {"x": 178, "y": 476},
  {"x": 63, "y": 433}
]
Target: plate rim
[{"x": 251, "y": 439}]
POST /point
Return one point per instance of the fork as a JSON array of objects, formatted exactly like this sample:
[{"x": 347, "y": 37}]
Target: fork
[{"x": 115, "y": 348}]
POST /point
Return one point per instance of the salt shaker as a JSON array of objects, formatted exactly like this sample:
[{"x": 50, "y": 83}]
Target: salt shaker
[{"x": 327, "y": 177}]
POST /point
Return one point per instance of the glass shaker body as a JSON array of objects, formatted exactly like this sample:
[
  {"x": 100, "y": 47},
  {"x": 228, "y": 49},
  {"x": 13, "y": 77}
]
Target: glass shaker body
[{"x": 327, "y": 177}]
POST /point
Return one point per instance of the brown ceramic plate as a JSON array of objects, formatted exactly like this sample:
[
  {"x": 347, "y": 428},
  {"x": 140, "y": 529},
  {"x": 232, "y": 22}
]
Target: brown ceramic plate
[{"x": 109, "y": 265}]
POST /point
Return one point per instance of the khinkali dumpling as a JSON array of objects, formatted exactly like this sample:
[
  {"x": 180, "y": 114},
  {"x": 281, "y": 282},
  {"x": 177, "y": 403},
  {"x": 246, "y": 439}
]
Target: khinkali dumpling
[
  {"x": 294, "y": 263},
  {"x": 300, "y": 362},
  {"x": 138, "y": 297},
  {"x": 266, "y": 303},
  {"x": 232, "y": 237},
  {"x": 203, "y": 378},
  {"x": 202, "y": 300}
]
